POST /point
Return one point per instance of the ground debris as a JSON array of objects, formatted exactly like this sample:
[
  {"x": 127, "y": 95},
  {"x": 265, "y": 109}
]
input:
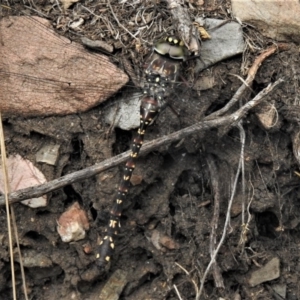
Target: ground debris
[
  {"x": 162, "y": 241},
  {"x": 31, "y": 258},
  {"x": 23, "y": 174},
  {"x": 267, "y": 115},
  {"x": 114, "y": 286},
  {"x": 48, "y": 154},
  {"x": 279, "y": 289},
  {"x": 269, "y": 271},
  {"x": 73, "y": 224}
]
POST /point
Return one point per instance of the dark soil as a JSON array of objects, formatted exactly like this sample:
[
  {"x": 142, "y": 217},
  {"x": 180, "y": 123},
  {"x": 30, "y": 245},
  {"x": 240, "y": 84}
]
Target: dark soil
[{"x": 168, "y": 218}]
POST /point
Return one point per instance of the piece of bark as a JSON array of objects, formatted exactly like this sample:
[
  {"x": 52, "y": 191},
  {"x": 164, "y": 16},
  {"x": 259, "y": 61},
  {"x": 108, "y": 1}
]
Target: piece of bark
[
  {"x": 43, "y": 73},
  {"x": 114, "y": 286}
]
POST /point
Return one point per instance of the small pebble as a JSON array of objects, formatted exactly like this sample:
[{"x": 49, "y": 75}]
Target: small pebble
[{"x": 73, "y": 224}]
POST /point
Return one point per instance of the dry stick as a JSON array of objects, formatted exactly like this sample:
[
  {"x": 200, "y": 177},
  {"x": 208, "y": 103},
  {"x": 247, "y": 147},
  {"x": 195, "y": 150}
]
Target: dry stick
[
  {"x": 6, "y": 190},
  {"x": 177, "y": 292},
  {"x": 214, "y": 175},
  {"x": 39, "y": 190},
  {"x": 13, "y": 217},
  {"x": 251, "y": 75},
  {"x": 189, "y": 275},
  {"x": 227, "y": 220},
  {"x": 243, "y": 140},
  {"x": 245, "y": 226}
]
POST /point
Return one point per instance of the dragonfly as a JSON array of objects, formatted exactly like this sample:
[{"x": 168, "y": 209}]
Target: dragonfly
[
  {"x": 161, "y": 72},
  {"x": 161, "y": 85}
]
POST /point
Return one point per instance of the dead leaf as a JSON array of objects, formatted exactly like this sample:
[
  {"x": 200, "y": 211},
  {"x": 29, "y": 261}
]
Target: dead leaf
[{"x": 23, "y": 174}]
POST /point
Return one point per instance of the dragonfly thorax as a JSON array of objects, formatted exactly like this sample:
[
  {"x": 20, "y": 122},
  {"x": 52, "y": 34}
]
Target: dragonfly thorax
[{"x": 163, "y": 67}]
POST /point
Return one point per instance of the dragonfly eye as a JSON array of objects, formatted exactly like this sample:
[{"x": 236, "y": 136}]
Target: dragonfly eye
[
  {"x": 177, "y": 52},
  {"x": 171, "y": 47}
]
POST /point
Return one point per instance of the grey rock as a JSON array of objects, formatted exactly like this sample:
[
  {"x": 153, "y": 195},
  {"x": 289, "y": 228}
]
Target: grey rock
[
  {"x": 226, "y": 41},
  {"x": 125, "y": 114},
  {"x": 280, "y": 289}
]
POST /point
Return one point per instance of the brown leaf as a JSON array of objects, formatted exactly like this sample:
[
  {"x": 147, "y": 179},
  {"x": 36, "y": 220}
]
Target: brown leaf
[{"x": 23, "y": 174}]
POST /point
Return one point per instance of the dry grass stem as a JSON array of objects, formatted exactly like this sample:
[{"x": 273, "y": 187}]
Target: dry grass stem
[{"x": 7, "y": 206}]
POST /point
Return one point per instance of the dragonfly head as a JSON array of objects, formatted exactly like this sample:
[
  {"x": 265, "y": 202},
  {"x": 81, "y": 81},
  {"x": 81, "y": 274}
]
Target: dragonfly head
[{"x": 172, "y": 47}]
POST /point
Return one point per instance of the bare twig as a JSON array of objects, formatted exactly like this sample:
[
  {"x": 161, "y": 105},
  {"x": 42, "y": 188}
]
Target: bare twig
[
  {"x": 177, "y": 292},
  {"x": 245, "y": 226},
  {"x": 189, "y": 276},
  {"x": 7, "y": 206},
  {"x": 53, "y": 185},
  {"x": 215, "y": 219},
  {"x": 227, "y": 220},
  {"x": 243, "y": 139},
  {"x": 13, "y": 217},
  {"x": 36, "y": 10}
]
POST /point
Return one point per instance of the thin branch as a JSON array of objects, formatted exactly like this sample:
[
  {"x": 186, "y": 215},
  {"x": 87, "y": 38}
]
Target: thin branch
[
  {"x": 177, "y": 292},
  {"x": 245, "y": 226},
  {"x": 232, "y": 119},
  {"x": 214, "y": 176},
  {"x": 227, "y": 220},
  {"x": 7, "y": 206},
  {"x": 189, "y": 276},
  {"x": 13, "y": 217}
]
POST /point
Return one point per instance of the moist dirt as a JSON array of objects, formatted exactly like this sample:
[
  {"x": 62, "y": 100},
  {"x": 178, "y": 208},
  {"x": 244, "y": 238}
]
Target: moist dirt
[{"x": 170, "y": 210}]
